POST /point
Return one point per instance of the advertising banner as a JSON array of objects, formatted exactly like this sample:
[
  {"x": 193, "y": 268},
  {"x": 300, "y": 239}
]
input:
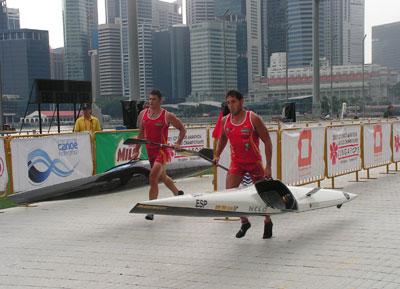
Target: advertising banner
[
  {"x": 343, "y": 149},
  {"x": 303, "y": 155},
  {"x": 111, "y": 151},
  {"x": 396, "y": 141},
  {"x": 195, "y": 140},
  {"x": 225, "y": 161},
  {"x": 49, "y": 160},
  {"x": 3, "y": 167},
  {"x": 377, "y": 149}
]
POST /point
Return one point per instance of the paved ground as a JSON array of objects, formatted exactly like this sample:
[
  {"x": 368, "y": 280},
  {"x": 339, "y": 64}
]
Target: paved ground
[{"x": 94, "y": 243}]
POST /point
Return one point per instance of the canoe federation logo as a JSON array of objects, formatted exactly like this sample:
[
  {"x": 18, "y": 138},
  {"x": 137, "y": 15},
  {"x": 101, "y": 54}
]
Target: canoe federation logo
[{"x": 41, "y": 166}]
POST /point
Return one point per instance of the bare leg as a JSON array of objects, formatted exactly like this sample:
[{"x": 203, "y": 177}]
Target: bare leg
[
  {"x": 169, "y": 183},
  {"x": 154, "y": 178}
]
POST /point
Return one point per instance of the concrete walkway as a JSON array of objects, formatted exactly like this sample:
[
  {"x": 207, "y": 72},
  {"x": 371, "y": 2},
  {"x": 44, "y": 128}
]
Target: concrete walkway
[{"x": 94, "y": 243}]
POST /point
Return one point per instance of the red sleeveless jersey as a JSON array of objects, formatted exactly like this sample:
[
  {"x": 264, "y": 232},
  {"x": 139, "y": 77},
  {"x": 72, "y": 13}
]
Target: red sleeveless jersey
[
  {"x": 155, "y": 130},
  {"x": 243, "y": 140}
]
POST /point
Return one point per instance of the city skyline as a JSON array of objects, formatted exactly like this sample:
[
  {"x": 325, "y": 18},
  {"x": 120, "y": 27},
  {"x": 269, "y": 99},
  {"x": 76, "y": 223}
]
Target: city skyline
[{"x": 33, "y": 16}]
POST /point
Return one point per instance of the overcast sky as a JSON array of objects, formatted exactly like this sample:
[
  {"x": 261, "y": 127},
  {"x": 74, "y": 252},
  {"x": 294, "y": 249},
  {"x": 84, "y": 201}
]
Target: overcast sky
[{"x": 47, "y": 15}]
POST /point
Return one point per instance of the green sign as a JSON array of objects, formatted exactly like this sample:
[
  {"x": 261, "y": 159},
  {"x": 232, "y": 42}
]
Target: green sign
[{"x": 110, "y": 150}]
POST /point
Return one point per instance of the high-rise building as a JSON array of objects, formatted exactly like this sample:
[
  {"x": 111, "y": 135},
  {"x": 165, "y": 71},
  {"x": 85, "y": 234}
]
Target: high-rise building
[
  {"x": 166, "y": 14},
  {"x": 341, "y": 31},
  {"x": 24, "y": 57},
  {"x": 110, "y": 69},
  {"x": 180, "y": 62},
  {"x": 300, "y": 24},
  {"x": 144, "y": 14},
  {"x": 235, "y": 12},
  {"x": 57, "y": 63},
  {"x": 80, "y": 36},
  {"x": 171, "y": 63},
  {"x": 254, "y": 48},
  {"x": 213, "y": 59},
  {"x": 13, "y": 18},
  {"x": 274, "y": 29},
  {"x": 353, "y": 31},
  {"x": 198, "y": 11},
  {"x": 112, "y": 10},
  {"x": 386, "y": 45},
  {"x": 3, "y": 15},
  {"x": 162, "y": 63}
]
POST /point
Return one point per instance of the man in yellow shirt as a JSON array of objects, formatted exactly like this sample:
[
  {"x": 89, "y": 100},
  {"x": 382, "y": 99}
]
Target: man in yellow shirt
[{"x": 87, "y": 122}]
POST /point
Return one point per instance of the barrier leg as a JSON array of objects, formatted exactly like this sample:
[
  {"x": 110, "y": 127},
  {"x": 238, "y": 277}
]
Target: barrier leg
[
  {"x": 319, "y": 184},
  {"x": 396, "y": 167},
  {"x": 333, "y": 183},
  {"x": 357, "y": 178}
]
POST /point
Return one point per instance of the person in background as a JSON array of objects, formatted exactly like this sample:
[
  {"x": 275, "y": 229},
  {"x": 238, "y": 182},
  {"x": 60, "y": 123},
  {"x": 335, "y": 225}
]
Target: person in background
[
  {"x": 87, "y": 122},
  {"x": 389, "y": 111}
]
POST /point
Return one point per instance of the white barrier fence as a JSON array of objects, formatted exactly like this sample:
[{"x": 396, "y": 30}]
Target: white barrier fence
[
  {"x": 376, "y": 144},
  {"x": 3, "y": 167},
  {"x": 302, "y": 155},
  {"x": 49, "y": 160},
  {"x": 396, "y": 141},
  {"x": 343, "y": 145}
]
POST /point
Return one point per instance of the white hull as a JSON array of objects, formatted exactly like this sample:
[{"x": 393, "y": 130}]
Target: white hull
[{"x": 264, "y": 198}]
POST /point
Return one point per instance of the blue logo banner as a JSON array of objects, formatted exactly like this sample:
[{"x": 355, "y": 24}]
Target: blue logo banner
[{"x": 41, "y": 158}]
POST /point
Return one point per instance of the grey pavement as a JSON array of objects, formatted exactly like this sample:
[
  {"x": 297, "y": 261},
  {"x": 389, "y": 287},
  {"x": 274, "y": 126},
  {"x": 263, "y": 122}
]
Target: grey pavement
[{"x": 93, "y": 242}]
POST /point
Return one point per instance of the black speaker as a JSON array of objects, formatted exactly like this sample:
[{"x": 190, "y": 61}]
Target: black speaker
[
  {"x": 129, "y": 113},
  {"x": 289, "y": 112}
]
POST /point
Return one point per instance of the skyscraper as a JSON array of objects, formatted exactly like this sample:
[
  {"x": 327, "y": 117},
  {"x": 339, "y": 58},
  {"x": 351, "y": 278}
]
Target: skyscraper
[
  {"x": 13, "y": 18},
  {"x": 166, "y": 14},
  {"x": 180, "y": 62},
  {"x": 235, "y": 12},
  {"x": 386, "y": 45},
  {"x": 162, "y": 63},
  {"x": 80, "y": 36},
  {"x": 144, "y": 14},
  {"x": 24, "y": 57},
  {"x": 3, "y": 15},
  {"x": 213, "y": 59},
  {"x": 198, "y": 11},
  {"x": 57, "y": 63},
  {"x": 171, "y": 62},
  {"x": 341, "y": 31},
  {"x": 274, "y": 29},
  {"x": 112, "y": 10},
  {"x": 254, "y": 49},
  {"x": 353, "y": 31},
  {"x": 110, "y": 60}
]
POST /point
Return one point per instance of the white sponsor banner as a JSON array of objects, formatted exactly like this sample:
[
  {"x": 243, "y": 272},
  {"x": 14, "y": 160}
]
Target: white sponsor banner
[
  {"x": 3, "y": 167},
  {"x": 225, "y": 159},
  {"x": 195, "y": 139},
  {"x": 303, "y": 155},
  {"x": 377, "y": 149},
  {"x": 49, "y": 160},
  {"x": 343, "y": 145},
  {"x": 396, "y": 141}
]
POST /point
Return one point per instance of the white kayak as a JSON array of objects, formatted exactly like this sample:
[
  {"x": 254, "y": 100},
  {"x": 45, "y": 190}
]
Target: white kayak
[{"x": 262, "y": 198}]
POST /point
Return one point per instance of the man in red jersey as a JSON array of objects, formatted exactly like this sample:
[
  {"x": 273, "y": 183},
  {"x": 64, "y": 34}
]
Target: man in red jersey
[
  {"x": 153, "y": 123},
  {"x": 244, "y": 129}
]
